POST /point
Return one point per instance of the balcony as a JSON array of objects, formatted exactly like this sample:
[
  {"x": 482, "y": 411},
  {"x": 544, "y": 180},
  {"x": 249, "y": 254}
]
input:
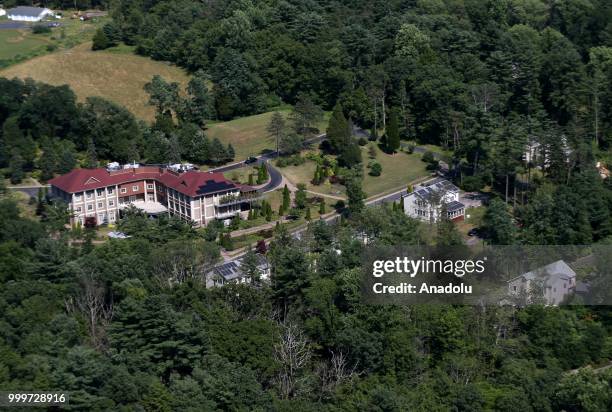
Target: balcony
[{"x": 236, "y": 200}]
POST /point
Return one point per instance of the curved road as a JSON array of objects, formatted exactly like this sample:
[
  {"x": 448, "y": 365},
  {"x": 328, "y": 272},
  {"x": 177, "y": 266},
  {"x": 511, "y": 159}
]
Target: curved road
[{"x": 275, "y": 176}]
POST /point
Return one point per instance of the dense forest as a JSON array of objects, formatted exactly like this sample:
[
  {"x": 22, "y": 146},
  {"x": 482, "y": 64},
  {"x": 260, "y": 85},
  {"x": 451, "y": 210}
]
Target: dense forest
[
  {"x": 128, "y": 324},
  {"x": 104, "y": 323}
]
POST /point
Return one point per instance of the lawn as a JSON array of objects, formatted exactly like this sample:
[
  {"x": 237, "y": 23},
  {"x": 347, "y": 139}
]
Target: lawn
[
  {"x": 397, "y": 171},
  {"x": 248, "y": 134},
  {"x": 304, "y": 174},
  {"x": 18, "y": 45},
  {"x": 241, "y": 175},
  {"x": 117, "y": 76},
  {"x": 14, "y": 43}
]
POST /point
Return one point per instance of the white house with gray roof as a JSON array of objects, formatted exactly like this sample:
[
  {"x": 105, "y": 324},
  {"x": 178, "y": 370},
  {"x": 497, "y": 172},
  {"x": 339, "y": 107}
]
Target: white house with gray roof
[
  {"x": 429, "y": 201},
  {"x": 231, "y": 272},
  {"x": 26, "y": 13},
  {"x": 553, "y": 283}
]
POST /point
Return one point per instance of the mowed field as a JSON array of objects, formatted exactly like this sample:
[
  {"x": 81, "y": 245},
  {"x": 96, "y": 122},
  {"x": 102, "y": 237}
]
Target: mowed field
[
  {"x": 248, "y": 134},
  {"x": 119, "y": 77},
  {"x": 397, "y": 171},
  {"x": 19, "y": 42}
]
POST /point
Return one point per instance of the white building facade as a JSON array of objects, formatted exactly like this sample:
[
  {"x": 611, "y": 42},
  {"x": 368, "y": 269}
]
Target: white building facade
[
  {"x": 428, "y": 202},
  {"x": 29, "y": 14}
]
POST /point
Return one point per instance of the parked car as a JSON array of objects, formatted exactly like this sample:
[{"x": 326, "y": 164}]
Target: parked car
[
  {"x": 474, "y": 232},
  {"x": 250, "y": 159}
]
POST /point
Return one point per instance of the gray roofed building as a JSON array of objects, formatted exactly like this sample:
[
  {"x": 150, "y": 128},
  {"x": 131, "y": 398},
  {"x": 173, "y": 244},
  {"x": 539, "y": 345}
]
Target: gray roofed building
[
  {"x": 427, "y": 201},
  {"x": 27, "y": 13},
  {"x": 555, "y": 282},
  {"x": 231, "y": 272}
]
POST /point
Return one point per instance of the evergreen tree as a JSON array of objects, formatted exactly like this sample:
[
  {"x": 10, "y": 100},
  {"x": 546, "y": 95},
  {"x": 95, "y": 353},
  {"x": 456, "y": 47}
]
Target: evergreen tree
[
  {"x": 355, "y": 194},
  {"x": 393, "y": 134},
  {"x": 231, "y": 153},
  {"x": 498, "y": 224},
  {"x": 308, "y": 216},
  {"x": 322, "y": 207},
  {"x": 48, "y": 162},
  {"x": 277, "y": 129},
  {"x": 286, "y": 198},
  {"x": 16, "y": 168},
  {"x": 249, "y": 266},
  {"x": 338, "y": 133},
  {"x": 100, "y": 40},
  {"x": 300, "y": 196}
]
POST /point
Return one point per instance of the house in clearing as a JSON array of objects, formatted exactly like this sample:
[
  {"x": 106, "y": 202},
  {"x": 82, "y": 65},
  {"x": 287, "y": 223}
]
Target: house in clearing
[
  {"x": 553, "y": 283},
  {"x": 429, "y": 201},
  {"x": 231, "y": 272},
  {"x": 26, "y": 13}
]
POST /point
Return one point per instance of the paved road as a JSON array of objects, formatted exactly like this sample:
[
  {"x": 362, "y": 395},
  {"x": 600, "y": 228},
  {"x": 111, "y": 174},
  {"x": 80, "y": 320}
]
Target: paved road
[{"x": 275, "y": 176}]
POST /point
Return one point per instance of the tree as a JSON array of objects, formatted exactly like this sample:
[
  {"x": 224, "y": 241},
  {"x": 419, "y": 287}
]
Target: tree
[
  {"x": 498, "y": 224},
  {"x": 393, "y": 135},
  {"x": 293, "y": 354},
  {"x": 411, "y": 42},
  {"x": 321, "y": 207},
  {"x": 277, "y": 128},
  {"x": 16, "y": 168},
  {"x": 355, "y": 194},
  {"x": 100, "y": 40},
  {"x": 447, "y": 233},
  {"x": 163, "y": 95},
  {"x": 199, "y": 105},
  {"x": 286, "y": 198},
  {"x": 300, "y": 196},
  {"x": 305, "y": 115},
  {"x": 262, "y": 174},
  {"x": 375, "y": 169},
  {"x": 249, "y": 266},
  {"x": 308, "y": 215},
  {"x": 338, "y": 133}
]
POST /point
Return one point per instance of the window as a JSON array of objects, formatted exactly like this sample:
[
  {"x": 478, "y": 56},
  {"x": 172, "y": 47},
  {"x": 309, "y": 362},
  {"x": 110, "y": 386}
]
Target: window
[
  {"x": 110, "y": 190},
  {"x": 89, "y": 207},
  {"x": 135, "y": 188},
  {"x": 111, "y": 202},
  {"x": 123, "y": 190},
  {"x": 89, "y": 195},
  {"x": 151, "y": 198},
  {"x": 150, "y": 186},
  {"x": 100, "y": 192},
  {"x": 111, "y": 217},
  {"x": 100, "y": 204},
  {"x": 77, "y": 197},
  {"x": 101, "y": 218},
  {"x": 79, "y": 209}
]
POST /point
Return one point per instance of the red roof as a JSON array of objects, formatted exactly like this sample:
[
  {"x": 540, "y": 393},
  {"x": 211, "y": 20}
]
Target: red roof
[{"x": 192, "y": 183}]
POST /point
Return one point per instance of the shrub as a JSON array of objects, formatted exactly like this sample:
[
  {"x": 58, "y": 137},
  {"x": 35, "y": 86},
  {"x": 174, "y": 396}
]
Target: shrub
[
  {"x": 41, "y": 29},
  {"x": 362, "y": 141},
  {"x": 410, "y": 148},
  {"x": 375, "y": 169}
]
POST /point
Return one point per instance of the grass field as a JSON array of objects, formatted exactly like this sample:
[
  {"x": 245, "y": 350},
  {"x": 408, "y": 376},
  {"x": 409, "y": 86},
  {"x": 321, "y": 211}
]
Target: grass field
[
  {"x": 14, "y": 43},
  {"x": 248, "y": 134},
  {"x": 17, "y": 45},
  {"x": 397, "y": 170},
  {"x": 119, "y": 77}
]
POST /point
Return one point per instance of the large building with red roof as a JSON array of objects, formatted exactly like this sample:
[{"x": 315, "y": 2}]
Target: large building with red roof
[{"x": 99, "y": 195}]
